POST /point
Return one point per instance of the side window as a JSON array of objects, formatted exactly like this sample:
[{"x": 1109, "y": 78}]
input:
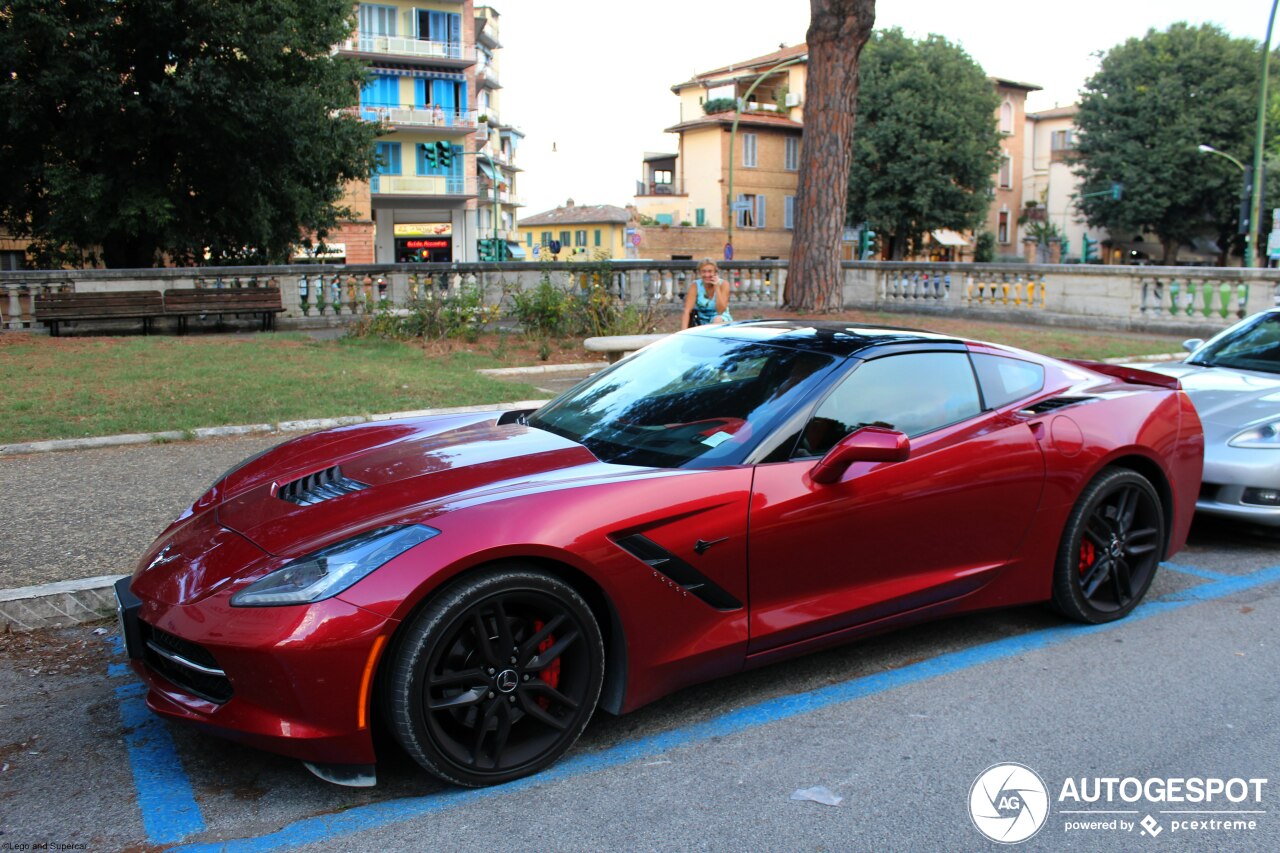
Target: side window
[
  {"x": 914, "y": 393},
  {"x": 1004, "y": 380}
]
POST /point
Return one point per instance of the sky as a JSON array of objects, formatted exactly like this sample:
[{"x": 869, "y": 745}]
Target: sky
[{"x": 589, "y": 83}]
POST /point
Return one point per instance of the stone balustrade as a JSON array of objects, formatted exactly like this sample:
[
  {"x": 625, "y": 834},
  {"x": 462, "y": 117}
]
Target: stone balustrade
[{"x": 1153, "y": 298}]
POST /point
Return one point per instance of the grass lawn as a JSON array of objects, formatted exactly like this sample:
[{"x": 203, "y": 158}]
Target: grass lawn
[{"x": 75, "y": 387}]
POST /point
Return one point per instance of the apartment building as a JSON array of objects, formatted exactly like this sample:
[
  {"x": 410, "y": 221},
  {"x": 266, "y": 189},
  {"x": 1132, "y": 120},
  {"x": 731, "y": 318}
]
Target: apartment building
[
  {"x": 444, "y": 187},
  {"x": 585, "y": 232},
  {"x": 1051, "y": 184},
  {"x": 1007, "y": 195},
  {"x": 690, "y": 188}
]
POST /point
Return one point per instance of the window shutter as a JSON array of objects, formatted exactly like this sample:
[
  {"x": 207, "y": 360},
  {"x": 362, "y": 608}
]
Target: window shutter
[{"x": 760, "y": 220}]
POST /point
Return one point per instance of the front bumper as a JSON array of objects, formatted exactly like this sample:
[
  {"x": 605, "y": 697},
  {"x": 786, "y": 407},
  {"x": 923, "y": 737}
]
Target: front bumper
[
  {"x": 1231, "y": 474},
  {"x": 294, "y": 680}
]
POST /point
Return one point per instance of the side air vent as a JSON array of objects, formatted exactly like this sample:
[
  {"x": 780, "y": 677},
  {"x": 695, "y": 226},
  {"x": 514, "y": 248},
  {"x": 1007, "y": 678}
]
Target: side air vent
[
  {"x": 320, "y": 486},
  {"x": 1055, "y": 403},
  {"x": 678, "y": 571}
]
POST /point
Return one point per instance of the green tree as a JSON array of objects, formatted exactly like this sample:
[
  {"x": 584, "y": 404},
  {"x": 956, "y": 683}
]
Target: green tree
[
  {"x": 927, "y": 147},
  {"x": 1142, "y": 116},
  {"x": 149, "y": 130}
]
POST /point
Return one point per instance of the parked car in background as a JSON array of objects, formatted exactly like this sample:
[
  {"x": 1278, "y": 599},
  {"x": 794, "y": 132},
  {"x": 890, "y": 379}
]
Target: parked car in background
[
  {"x": 1234, "y": 381},
  {"x": 477, "y": 584}
]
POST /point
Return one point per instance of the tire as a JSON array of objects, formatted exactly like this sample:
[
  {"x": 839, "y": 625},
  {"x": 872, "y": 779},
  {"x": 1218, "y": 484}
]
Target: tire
[
  {"x": 1113, "y": 543},
  {"x": 496, "y": 678}
]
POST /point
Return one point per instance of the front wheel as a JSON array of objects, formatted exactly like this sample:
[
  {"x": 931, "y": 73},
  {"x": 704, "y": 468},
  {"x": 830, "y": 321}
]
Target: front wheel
[
  {"x": 1112, "y": 545},
  {"x": 496, "y": 678}
]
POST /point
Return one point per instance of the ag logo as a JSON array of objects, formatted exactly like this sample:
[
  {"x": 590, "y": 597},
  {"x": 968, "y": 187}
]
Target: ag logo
[{"x": 1008, "y": 803}]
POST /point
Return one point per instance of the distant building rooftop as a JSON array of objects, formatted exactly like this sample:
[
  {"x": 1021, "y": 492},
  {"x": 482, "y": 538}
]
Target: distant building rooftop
[{"x": 575, "y": 214}]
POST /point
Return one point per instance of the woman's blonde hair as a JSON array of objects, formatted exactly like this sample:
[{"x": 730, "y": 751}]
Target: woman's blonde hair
[{"x": 702, "y": 263}]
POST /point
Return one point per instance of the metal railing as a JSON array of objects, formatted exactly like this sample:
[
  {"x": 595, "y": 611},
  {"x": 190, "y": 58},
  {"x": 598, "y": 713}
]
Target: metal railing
[
  {"x": 409, "y": 116},
  {"x": 417, "y": 48}
]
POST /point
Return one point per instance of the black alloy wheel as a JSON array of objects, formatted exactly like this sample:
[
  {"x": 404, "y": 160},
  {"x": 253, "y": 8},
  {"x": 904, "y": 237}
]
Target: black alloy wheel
[
  {"x": 1112, "y": 546},
  {"x": 497, "y": 677}
]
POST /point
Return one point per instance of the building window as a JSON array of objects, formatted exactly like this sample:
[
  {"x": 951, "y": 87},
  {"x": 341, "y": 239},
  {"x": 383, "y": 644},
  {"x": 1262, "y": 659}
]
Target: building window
[
  {"x": 664, "y": 219},
  {"x": 1006, "y": 117},
  {"x": 1006, "y": 172},
  {"x": 1061, "y": 140},
  {"x": 791, "y": 158},
  {"x": 381, "y": 91},
  {"x": 599, "y": 237},
  {"x": 749, "y": 150},
  {"x": 750, "y": 211},
  {"x": 377, "y": 20},
  {"x": 700, "y": 216},
  {"x": 546, "y": 238},
  {"x": 662, "y": 176},
  {"x": 12, "y": 260},
  {"x": 581, "y": 237},
  {"x": 1002, "y": 229},
  {"x": 388, "y": 158},
  {"x": 528, "y": 239},
  {"x": 789, "y": 215},
  {"x": 565, "y": 242}
]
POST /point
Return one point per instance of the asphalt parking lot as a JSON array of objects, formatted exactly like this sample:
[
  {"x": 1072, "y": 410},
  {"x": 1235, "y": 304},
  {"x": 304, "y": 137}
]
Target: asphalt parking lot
[{"x": 899, "y": 727}]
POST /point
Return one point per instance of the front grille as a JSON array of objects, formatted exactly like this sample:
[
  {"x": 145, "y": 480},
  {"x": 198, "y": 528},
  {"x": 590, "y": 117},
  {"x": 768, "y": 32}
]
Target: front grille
[
  {"x": 1055, "y": 403},
  {"x": 320, "y": 486},
  {"x": 187, "y": 665},
  {"x": 1209, "y": 491}
]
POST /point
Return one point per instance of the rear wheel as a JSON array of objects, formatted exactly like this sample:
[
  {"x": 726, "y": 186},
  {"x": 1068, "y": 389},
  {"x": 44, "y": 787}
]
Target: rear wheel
[
  {"x": 497, "y": 677},
  {"x": 1110, "y": 549}
]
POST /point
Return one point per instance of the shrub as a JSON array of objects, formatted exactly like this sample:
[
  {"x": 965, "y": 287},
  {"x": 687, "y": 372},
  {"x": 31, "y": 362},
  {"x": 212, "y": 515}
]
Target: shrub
[{"x": 720, "y": 105}]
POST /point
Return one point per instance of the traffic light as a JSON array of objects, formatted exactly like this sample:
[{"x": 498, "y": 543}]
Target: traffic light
[
  {"x": 1089, "y": 251},
  {"x": 1117, "y": 190},
  {"x": 428, "y": 154},
  {"x": 867, "y": 244},
  {"x": 444, "y": 153}
]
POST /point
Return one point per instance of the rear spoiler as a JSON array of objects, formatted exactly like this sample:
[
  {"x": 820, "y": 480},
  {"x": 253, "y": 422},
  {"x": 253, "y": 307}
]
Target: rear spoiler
[{"x": 1132, "y": 375}]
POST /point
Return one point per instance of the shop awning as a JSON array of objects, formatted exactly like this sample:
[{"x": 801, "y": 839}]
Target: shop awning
[
  {"x": 947, "y": 237},
  {"x": 515, "y": 250},
  {"x": 488, "y": 170}
]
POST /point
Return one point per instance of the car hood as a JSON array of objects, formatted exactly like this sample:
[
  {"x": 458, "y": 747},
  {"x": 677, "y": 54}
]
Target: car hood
[
  {"x": 1226, "y": 397},
  {"x": 398, "y": 472}
]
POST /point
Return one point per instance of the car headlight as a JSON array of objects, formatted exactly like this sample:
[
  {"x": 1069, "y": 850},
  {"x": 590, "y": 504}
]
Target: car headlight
[
  {"x": 330, "y": 570},
  {"x": 1263, "y": 435}
]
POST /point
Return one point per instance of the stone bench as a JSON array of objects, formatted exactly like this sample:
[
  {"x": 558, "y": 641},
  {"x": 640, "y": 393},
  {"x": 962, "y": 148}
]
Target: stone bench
[{"x": 616, "y": 346}]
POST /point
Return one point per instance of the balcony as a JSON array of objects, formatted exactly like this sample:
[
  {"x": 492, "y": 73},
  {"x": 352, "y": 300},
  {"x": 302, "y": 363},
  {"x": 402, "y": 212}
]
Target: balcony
[
  {"x": 422, "y": 185},
  {"x": 449, "y": 54},
  {"x": 460, "y": 123},
  {"x": 487, "y": 76},
  {"x": 655, "y": 188},
  {"x": 504, "y": 197}
]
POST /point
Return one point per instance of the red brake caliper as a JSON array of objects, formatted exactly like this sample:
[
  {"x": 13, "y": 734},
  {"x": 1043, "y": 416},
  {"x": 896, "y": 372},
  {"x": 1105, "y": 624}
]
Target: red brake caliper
[
  {"x": 1087, "y": 554},
  {"x": 551, "y": 674}
]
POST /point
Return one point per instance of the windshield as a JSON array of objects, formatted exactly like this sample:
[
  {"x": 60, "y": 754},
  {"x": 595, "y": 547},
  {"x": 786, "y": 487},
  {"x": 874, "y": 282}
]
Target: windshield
[
  {"x": 1252, "y": 345},
  {"x": 687, "y": 401}
]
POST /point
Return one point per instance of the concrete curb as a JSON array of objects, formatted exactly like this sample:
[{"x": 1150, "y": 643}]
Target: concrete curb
[
  {"x": 244, "y": 429},
  {"x": 544, "y": 368},
  {"x": 55, "y": 605}
]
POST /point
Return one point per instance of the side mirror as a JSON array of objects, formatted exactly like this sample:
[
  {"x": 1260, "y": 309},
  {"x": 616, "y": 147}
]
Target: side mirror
[
  {"x": 1192, "y": 344},
  {"x": 869, "y": 444}
]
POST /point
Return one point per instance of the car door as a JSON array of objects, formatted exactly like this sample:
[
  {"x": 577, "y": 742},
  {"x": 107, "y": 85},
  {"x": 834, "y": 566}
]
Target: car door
[{"x": 889, "y": 537}]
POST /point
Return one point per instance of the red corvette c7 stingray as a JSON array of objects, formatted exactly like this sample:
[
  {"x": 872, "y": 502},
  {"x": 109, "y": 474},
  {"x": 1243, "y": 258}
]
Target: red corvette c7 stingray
[{"x": 731, "y": 496}]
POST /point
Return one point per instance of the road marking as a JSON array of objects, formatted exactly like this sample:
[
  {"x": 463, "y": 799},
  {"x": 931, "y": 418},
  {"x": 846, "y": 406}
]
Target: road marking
[
  {"x": 1200, "y": 573},
  {"x": 165, "y": 797},
  {"x": 382, "y": 814}
]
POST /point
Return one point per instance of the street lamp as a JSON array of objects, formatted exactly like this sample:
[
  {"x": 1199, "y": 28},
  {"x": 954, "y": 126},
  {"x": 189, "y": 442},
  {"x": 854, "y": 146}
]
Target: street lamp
[
  {"x": 1255, "y": 200},
  {"x": 1246, "y": 200},
  {"x": 1209, "y": 149}
]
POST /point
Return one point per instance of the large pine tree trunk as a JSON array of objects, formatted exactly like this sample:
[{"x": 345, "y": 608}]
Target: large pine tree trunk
[{"x": 838, "y": 29}]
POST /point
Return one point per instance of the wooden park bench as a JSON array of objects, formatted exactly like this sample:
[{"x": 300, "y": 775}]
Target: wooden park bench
[
  {"x": 53, "y": 309},
  {"x": 187, "y": 302}
]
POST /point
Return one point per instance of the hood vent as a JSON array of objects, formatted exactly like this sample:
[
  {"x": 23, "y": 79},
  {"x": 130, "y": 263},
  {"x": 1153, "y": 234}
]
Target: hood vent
[
  {"x": 1055, "y": 403},
  {"x": 320, "y": 486}
]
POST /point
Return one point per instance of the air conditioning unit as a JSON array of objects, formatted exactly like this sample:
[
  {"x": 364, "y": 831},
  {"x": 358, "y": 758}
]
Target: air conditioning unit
[{"x": 792, "y": 99}]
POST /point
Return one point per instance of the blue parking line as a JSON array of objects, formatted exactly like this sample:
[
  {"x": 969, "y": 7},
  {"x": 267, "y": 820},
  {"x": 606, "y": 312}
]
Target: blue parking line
[
  {"x": 1198, "y": 572},
  {"x": 377, "y": 815},
  {"x": 165, "y": 797}
]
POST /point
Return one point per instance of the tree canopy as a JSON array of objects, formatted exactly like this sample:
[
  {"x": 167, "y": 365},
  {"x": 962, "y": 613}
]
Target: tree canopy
[
  {"x": 149, "y": 130},
  {"x": 1143, "y": 116},
  {"x": 927, "y": 146}
]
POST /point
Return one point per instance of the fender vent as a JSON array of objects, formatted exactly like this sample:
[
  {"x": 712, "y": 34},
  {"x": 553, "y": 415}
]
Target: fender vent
[
  {"x": 679, "y": 572},
  {"x": 1054, "y": 403},
  {"x": 320, "y": 486}
]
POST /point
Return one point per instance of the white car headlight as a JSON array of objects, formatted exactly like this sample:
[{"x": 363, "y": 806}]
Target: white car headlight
[
  {"x": 330, "y": 570},
  {"x": 1263, "y": 435}
]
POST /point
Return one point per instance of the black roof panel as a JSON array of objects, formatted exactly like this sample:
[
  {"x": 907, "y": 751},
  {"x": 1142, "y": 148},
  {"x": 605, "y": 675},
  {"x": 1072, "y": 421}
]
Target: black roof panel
[{"x": 834, "y": 337}]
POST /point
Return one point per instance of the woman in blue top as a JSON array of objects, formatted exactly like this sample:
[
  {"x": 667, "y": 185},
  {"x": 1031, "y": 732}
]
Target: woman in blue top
[{"x": 707, "y": 301}]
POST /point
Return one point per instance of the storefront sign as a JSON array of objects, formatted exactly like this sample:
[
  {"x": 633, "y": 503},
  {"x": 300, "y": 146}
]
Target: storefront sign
[{"x": 423, "y": 229}]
